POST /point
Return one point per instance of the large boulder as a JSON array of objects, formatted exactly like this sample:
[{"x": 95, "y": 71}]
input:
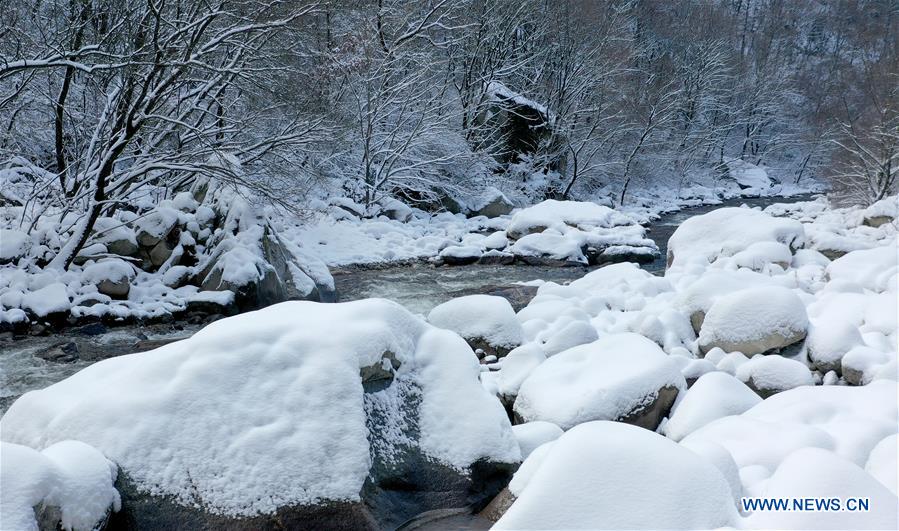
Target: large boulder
[
  {"x": 155, "y": 226},
  {"x": 118, "y": 237},
  {"x": 302, "y": 415},
  {"x": 487, "y": 322},
  {"x": 260, "y": 267},
  {"x": 754, "y": 321},
  {"x": 622, "y": 377}
]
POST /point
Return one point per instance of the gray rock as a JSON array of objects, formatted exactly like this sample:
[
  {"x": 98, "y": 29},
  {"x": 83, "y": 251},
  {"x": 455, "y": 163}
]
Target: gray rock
[
  {"x": 876, "y": 221},
  {"x": 117, "y": 289},
  {"x": 493, "y": 258},
  {"x": 122, "y": 247},
  {"x": 498, "y": 505},
  {"x": 497, "y": 205},
  {"x": 66, "y": 352},
  {"x": 160, "y": 253}
]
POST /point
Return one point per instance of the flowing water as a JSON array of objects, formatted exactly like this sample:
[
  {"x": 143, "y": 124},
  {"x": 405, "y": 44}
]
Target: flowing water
[{"x": 419, "y": 287}]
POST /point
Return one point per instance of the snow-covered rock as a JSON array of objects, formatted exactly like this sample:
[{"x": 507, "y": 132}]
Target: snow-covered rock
[
  {"x": 303, "y": 409},
  {"x": 492, "y": 203},
  {"x": 460, "y": 254},
  {"x": 819, "y": 473},
  {"x": 517, "y": 366},
  {"x": 727, "y": 231},
  {"x": 48, "y": 300},
  {"x": 562, "y": 214},
  {"x": 112, "y": 276},
  {"x": 754, "y": 320},
  {"x": 862, "y": 364},
  {"x": 485, "y": 321},
  {"x": 155, "y": 226},
  {"x": 714, "y": 395},
  {"x": 14, "y": 244},
  {"x": 530, "y": 435},
  {"x": 609, "y": 475},
  {"x": 882, "y": 464},
  {"x": 767, "y": 375},
  {"x": 68, "y": 485},
  {"x": 829, "y": 340},
  {"x": 117, "y": 236},
  {"x": 623, "y": 377}
]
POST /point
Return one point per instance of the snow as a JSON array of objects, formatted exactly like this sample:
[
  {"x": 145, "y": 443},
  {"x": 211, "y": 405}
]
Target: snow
[
  {"x": 550, "y": 245},
  {"x": 882, "y": 462},
  {"x": 69, "y": 475},
  {"x": 749, "y": 317},
  {"x": 872, "y": 269},
  {"x": 273, "y": 390},
  {"x": 52, "y": 298},
  {"x": 819, "y": 473},
  {"x": 13, "y": 244},
  {"x": 112, "y": 269},
  {"x": 479, "y": 316},
  {"x": 561, "y": 214},
  {"x": 530, "y": 435},
  {"x": 609, "y": 475},
  {"x": 603, "y": 380},
  {"x": 727, "y": 231},
  {"x": 866, "y": 362},
  {"x": 713, "y": 396},
  {"x": 748, "y": 175},
  {"x": 517, "y": 366},
  {"x": 774, "y": 373}
]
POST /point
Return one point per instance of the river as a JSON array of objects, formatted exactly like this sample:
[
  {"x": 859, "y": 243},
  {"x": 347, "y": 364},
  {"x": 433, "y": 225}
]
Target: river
[{"x": 419, "y": 287}]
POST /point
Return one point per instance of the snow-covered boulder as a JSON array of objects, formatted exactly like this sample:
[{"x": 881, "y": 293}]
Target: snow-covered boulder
[
  {"x": 486, "y": 322},
  {"x": 118, "y": 237},
  {"x": 623, "y": 377},
  {"x": 884, "y": 211},
  {"x": 314, "y": 415},
  {"x": 49, "y": 301},
  {"x": 561, "y": 214},
  {"x": 714, "y": 395},
  {"x": 829, "y": 340},
  {"x": 14, "y": 244},
  {"x": 609, "y": 475},
  {"x": 872, "y": 269},
  {"x": 754, "y": 320},
  {"x": 460, "y": 254},
  {"x": 261, "y": 268},
  {"x": 819, "y": 473},
  {"x": 749, "y": 177},
  {"x": 68, "y": 485},
  {"x": 530, "y": 435},
  {"x": 112, "y": 276},
  {"x": 862, "y": 364},
  {"x": 155, "y": 226},
  {"x": 517, "y": 366},
  {"x": 394, "y": 209},
  {"x": 727, "y": 231},
  {"x": 882, "y": 463},
  {"x": 768, "y": 375},
  {"x": 492, "y": 203}
]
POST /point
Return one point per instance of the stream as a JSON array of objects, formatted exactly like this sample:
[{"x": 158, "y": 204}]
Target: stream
[{"x": 419, "y": 287}]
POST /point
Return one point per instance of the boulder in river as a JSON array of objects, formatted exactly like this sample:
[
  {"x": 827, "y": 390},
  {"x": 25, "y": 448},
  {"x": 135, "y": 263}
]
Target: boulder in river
[
  {"x": 488, "y": 323},
  {"x": 342, "y": 416}
]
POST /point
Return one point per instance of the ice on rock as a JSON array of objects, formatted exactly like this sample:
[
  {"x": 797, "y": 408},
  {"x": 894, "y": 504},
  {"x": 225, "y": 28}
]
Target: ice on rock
[
  {"x": 768, "y": 375},
  {"x": 713, "y": 396},
  {"x": 610, "y": 475},
  {"x": 276, "y": 399},
  {"x": 530, "y": 435},
  {"x": 727, "y": 231},
  {"x": 754, "y": 320},
  {"x": 68, "y": 475},
  {"x": 618, "y": 377},
  {"x": 819, "y": 473},
  {"x": 480, "y": 317}
]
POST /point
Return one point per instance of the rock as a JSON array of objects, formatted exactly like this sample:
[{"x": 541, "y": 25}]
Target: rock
[
  {"x": 498, "y": 505},
  {"x": 91, "y": 252},
  {"x": 460, "y": 254},
  {"x": 14, "y": 244},
  {"x": 155, "y": 226},
  {"x": 754, "y": 321},
  {"x": 160, "y": 253},
  {"x": 176, "y": 276},
  {"x": 92, "y": 329},
  {"x": 828, "y": 342},
  {"x": 494, "y": 204},
  {"x": 486, "y": 322},
  {"x": 769, "y": 375},
  {"x": 861, "y": 364},
  {"x": 300, "y": 407},
  {"x": 876, "y": 221},
  {"x": 621, "y": 377},
  {"x": 394, "y": 209},
  {"x": 122, "y": 247},
  {"x": 494, "y": 257},
  {"x": 112, "y": 276},
  {"x": 66, "y": 352}
]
